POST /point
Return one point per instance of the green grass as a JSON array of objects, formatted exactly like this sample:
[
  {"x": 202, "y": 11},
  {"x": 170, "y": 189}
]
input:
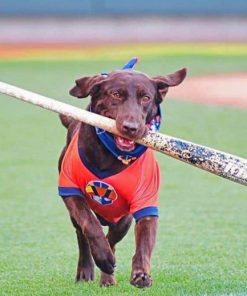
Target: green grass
[{"x": 202, "y": 241}]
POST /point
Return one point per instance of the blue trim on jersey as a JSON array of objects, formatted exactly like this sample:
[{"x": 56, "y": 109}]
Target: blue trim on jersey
[
  {"x": 97, "y": 172},
  {"x": 148, "y": 211},
  {"x": 69, "y": 191}
]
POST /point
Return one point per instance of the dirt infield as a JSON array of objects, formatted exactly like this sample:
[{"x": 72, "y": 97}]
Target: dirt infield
[{"x": 230, "y": 90}]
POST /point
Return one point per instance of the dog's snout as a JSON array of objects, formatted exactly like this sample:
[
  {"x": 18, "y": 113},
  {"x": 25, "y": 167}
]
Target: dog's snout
[{"x": 130, "y": 128}]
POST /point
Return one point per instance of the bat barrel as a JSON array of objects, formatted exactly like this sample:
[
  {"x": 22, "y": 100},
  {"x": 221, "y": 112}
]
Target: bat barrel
[{"x": 214, "y": 161}]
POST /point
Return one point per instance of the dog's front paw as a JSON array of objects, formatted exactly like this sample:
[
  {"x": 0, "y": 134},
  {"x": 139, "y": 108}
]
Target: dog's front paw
[
  {"x": 103, "y": 255},
  {"x": 104, "y": 258},
  {"x": 106, "y": 262},
  {"x": 85, "y": 273},
  {"x": 141, "y": 280},
  {"x": 107, "y": 280}
]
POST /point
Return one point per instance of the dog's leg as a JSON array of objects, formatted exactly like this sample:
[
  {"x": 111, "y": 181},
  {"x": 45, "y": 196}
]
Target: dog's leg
[
  {"x": 145, "y": 235},
  {"x": 85, "y": 267},
  {"x": 99, "y": 246},
  {"x": 115, "y": 234}
]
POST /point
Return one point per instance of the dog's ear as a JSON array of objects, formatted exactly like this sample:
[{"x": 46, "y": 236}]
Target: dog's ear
[
  {"x": 84, "y": 85},
  {"x": 164, "y": 82}
]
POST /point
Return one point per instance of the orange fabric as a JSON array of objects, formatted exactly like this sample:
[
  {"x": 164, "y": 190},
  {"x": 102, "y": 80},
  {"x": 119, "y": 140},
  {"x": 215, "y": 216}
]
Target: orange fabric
[{"x": 129, "y": 191}]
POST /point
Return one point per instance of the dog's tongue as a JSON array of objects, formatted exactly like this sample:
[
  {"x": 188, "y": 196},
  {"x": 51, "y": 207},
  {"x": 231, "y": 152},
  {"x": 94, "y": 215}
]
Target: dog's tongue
[{"x": 124, "y": 144}]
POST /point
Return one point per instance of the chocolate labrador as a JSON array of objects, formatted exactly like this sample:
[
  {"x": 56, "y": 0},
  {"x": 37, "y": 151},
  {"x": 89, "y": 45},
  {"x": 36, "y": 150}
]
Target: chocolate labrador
[{"x": 107, "y": 180}]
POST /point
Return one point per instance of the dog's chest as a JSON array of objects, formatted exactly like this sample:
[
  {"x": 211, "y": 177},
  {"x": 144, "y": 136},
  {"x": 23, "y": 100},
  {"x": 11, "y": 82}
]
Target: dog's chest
[{"x": 111, "y": 195}]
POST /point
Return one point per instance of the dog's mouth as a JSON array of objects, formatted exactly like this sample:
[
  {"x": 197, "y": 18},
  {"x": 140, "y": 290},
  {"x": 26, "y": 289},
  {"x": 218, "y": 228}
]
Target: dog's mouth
[{"x": 124, "y": 144}]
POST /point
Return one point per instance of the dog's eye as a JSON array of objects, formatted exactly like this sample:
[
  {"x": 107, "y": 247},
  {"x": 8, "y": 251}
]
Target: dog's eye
[
  {"x": 146, "y": 99},
  {"x": 116, "y": 94}
]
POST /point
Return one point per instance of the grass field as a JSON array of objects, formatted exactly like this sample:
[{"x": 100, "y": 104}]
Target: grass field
[{"x": 202, "y": 242}]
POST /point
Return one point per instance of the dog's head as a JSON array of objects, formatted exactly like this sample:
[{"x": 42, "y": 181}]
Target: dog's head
[{"x": 130, "y": 97}]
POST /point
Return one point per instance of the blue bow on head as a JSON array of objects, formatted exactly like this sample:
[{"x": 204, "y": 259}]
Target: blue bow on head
[{"x": 130, "y": 64}]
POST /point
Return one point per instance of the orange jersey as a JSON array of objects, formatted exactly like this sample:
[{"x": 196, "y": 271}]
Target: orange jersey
[{"x": 111, "y": 196}]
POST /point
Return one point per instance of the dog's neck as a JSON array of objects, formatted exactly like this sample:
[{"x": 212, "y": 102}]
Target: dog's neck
[{"x": 96, "y": 153}]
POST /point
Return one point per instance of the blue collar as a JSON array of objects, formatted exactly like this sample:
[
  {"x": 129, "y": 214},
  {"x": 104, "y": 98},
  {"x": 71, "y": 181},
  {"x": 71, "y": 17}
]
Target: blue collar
[
  {"x": 108, "y": 141},
  {"x": 126, "y": 157}
]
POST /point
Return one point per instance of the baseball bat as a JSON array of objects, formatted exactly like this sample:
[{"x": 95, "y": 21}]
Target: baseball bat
[{"x": 214, "y": 161}]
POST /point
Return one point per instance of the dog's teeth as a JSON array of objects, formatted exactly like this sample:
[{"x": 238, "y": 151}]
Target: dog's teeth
[{"x": 124, "y": 143}]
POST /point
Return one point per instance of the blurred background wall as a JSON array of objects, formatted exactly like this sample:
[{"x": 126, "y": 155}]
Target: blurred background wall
[
  {"x": 87, "y": 22},
  {"x": 127, "y": 7}
]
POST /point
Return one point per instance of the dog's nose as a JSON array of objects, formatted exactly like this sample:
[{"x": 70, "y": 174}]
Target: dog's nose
[{"x": 130, "y": 128}]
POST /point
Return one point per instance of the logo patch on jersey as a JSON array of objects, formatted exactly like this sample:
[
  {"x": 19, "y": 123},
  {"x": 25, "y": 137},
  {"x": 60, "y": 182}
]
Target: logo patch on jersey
[{"x": 101, "y": 192}]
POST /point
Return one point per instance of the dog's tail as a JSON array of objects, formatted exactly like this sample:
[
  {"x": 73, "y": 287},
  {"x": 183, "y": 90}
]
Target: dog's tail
[{"x": 66, "y": 120}]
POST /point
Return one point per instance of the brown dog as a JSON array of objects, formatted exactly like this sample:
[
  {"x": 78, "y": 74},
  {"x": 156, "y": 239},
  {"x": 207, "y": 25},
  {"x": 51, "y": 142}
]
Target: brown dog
[{"x": 132, "y": 99}]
